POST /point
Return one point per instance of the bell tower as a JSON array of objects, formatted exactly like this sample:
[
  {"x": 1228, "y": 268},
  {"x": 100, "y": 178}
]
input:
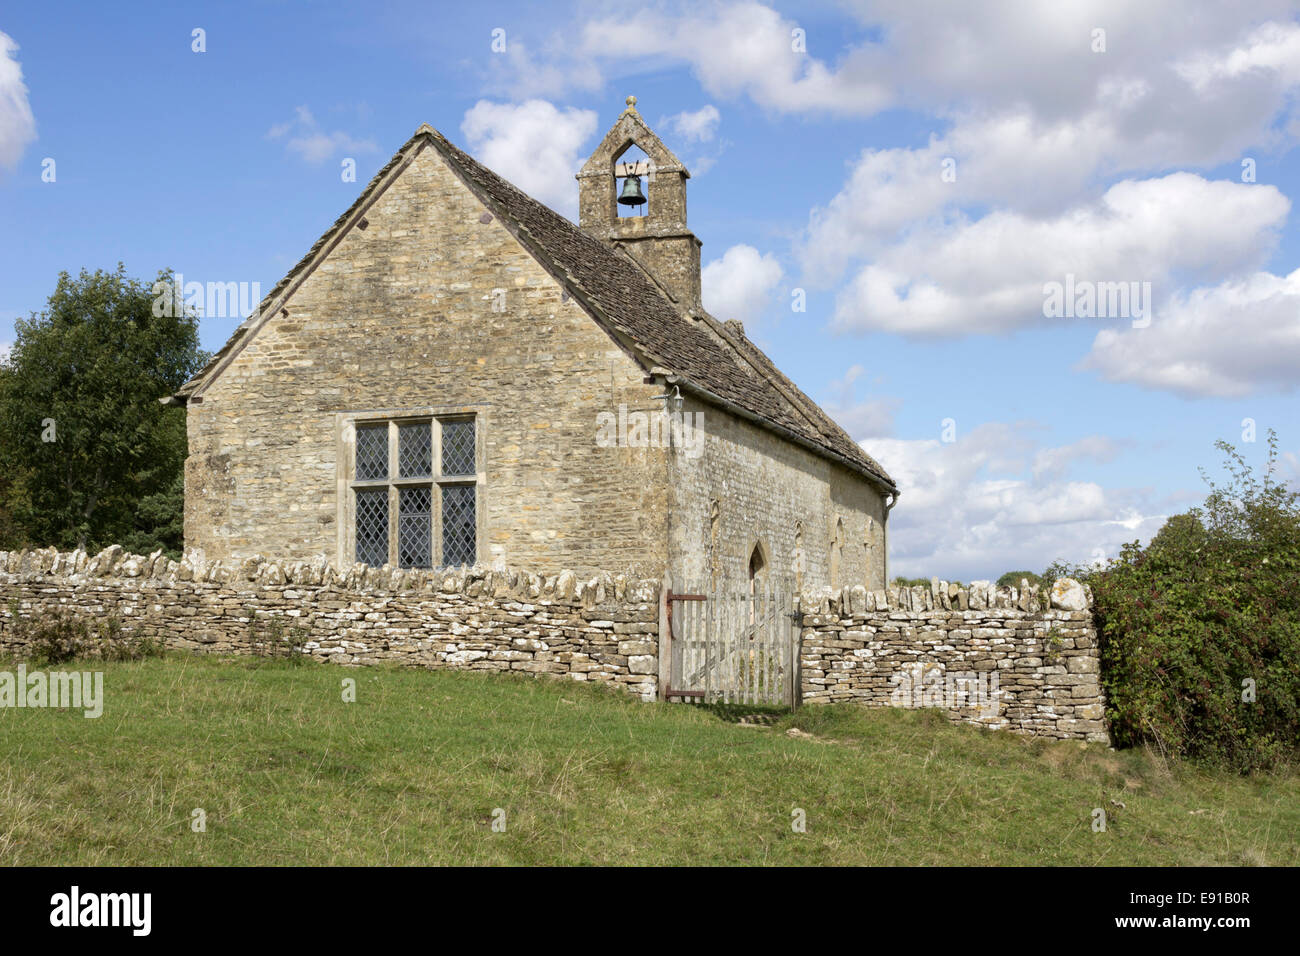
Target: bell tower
[{"x": 659, "y": 239}]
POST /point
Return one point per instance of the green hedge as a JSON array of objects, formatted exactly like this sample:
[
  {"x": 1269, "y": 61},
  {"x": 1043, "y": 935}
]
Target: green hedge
[{"x": 1200, "y": 630}]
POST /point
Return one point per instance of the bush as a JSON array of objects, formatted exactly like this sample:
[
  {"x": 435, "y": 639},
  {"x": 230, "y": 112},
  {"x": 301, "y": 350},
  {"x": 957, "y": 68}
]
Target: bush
[
  {"x": 917, "y": 582},
  {"x": 274, "y": 641},
  {"x": 1012, "y": 579},
  {"x": 1200, "y": 630},
  {"x": 57, "y": 636}
]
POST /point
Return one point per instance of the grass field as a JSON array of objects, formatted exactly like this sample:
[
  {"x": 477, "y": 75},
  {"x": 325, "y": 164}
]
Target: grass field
[{"x": 412, "y": 772}]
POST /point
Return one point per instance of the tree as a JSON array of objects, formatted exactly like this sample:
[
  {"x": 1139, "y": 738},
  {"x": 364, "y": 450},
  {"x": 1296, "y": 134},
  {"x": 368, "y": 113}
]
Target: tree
[
  {"x": 84, "y": 440},
  {"x": 1179, "y": 533}
]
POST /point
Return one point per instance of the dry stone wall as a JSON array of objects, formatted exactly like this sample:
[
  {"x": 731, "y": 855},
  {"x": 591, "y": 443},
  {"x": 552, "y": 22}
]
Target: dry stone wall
[
  {"x": 1004, "y": 658},
  {"x": 603, "y": 628}
]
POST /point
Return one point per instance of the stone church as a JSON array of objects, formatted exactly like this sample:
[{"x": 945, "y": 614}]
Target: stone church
[{"x": 456, "y": 374}]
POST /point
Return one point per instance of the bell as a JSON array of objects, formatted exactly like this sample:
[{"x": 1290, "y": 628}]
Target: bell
[{"x": 631, "y": 194}]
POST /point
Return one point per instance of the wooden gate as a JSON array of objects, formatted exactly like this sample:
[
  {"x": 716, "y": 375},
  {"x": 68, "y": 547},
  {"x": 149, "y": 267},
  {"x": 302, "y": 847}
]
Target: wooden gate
[{"x": 733, "y": 647}]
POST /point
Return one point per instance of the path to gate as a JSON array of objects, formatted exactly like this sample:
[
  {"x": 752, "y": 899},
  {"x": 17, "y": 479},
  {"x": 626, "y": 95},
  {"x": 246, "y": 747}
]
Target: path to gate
[{"x": 732, "y": 647}]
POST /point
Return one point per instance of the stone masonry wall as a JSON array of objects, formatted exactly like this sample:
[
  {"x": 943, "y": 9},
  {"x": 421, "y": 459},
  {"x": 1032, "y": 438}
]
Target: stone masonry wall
[
  {"x": 602, "y": 629},
  {"x": 434, "y": 308},
  {"x": 1003, "y": 658},
  {"x": 748, "y": 487},
  {"x": 942, "y": 646}
]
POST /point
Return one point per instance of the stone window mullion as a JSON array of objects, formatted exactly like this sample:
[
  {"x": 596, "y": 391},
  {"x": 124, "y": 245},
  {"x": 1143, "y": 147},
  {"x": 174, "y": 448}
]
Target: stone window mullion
[
  {"x": 392, "y": 495},
  {"x": 435, "y": 508}
]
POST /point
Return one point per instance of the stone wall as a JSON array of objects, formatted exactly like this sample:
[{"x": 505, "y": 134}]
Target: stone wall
[
  {"x": 816, "y": 522},
  {"x": 600, "y": 629},
  {"x": 1004, "y": 658},
  {"x": 943, "y": 646}
]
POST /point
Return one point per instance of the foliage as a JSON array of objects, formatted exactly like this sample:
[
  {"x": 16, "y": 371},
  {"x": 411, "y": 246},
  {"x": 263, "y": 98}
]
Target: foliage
[
  {"x": 1012, "y": 579},
  {"x": 901, "y": 582},
  {"x": 274, "y": 641},
  {"x": 57, "y": 636},
  {"x": 160, "y": 520},
  {"x": 1200, "y": 630},
  {"x": 90, "y": 455}
]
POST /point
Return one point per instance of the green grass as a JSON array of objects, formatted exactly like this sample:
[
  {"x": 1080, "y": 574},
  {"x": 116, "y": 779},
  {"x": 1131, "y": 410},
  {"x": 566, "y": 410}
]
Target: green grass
[{"x": 411, "y": 773}]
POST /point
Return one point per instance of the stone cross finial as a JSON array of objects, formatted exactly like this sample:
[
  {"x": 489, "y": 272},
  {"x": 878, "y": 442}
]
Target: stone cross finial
[{"x": 631, "y": 102}]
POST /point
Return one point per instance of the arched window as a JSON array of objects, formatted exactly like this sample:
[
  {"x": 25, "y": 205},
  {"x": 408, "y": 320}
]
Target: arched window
[
  {"x": 798, "y": 560},
  {"x": 837, "y": 552},
  {"x": 868, "y": 552},
  {"x": 757, "y": 582},
  {"x": 757, "y": 572}
]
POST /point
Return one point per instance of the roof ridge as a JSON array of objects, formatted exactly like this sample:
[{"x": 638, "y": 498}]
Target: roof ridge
[{"x": 727, "y": 334}]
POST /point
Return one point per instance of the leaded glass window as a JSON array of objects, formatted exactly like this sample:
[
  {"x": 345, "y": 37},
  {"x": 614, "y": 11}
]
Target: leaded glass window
[
  {"x": 416, "y": 505},
  {"x": 458, "y": 447},
  {"x": 372, "y": 526},
  {"x": 415, "y": 450},
  {"x": 458, "y": 524},
  {"x": 372, "y": 452},
  {"x": 414, "y": 527}
]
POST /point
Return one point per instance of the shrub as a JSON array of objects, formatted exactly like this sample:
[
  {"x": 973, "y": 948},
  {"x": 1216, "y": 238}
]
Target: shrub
[
  {"x": 58, "y": 635},
  {"x": 909, "y": 582},
  {"x": 1204, "y": 618},
  {"x": 275, "y": 641},
  {"x": 917, "y": 582},
  {"x": 1012, "y": 579}
]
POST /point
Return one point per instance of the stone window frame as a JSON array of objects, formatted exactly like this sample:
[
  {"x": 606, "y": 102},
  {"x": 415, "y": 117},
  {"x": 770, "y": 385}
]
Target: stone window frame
[{"x": 346, "y": 425}]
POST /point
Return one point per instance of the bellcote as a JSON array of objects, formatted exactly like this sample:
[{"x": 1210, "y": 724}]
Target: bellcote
[{"x": 660, "y": 240}]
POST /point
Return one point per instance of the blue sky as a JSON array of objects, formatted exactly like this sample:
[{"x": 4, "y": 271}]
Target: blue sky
[{"x": 919, "y": 170}]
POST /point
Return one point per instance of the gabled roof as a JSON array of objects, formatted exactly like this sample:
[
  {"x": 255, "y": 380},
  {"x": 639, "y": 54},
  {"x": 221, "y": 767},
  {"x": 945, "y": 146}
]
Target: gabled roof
[{"x": 698, "y": 353}]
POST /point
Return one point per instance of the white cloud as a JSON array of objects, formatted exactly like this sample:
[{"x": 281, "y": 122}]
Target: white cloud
[
  {"x": 1034, "y": 119},
  {"x": 1229, "y": 340},
  {"x": 304, "y": 136},
  {"x": 736, "y": 49},
  {"x": 698, "y": 126},
  {"x": 1053, "y": 462},
  {"x": 1010, "y": 160},
  {"x": 740, "y": 284},
  {"x": 987, "y": 275},
  {"x": 5, "y": 349},
  {"x": 1204, "y": 77},
  {"x": 1272, "y": 49},
  {"x": 17, "y": 125},
  {"x": 518, "y": 73},
  {"x": 532, "y": 144},
  {"x": 984, "y": 504}
]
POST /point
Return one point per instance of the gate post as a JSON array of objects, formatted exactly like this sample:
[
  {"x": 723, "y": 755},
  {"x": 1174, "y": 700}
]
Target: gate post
[
  {"x": 796, "y": 655},
  {"x": 665, "y": 639}
]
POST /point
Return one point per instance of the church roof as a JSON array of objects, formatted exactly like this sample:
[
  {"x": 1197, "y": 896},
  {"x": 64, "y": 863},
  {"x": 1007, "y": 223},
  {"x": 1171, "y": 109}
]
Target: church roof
[{"x": 714, "y": 360}]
